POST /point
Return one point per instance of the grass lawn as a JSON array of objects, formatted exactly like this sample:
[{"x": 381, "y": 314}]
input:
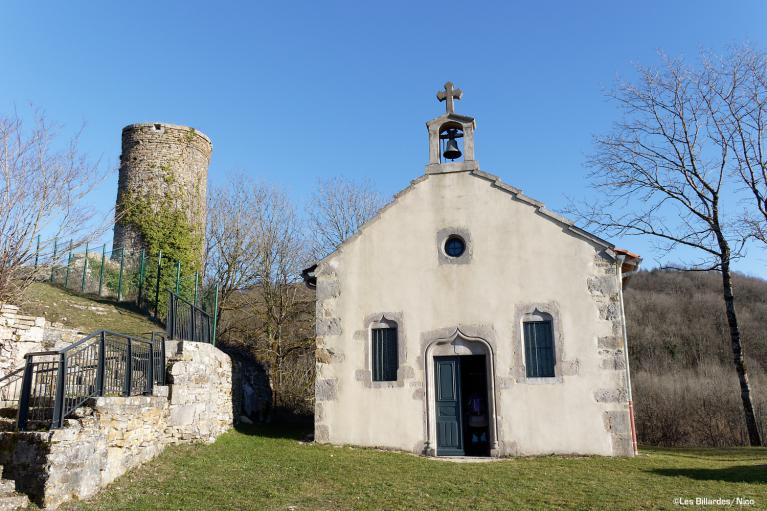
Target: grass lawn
[
  {"x": 267, "y": 468},
  {"x": 85, "y": 313}
]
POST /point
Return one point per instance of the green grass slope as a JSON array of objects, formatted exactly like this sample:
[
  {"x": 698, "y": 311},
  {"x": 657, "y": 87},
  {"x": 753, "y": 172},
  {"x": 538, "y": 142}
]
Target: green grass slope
[
  {"x": 84, "y": 313},
  {"x": 263, "y": 468}
]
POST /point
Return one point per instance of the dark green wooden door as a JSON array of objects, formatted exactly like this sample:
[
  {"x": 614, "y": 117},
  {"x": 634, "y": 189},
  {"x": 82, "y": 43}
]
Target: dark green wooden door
[{"x": 448, "y": 406}]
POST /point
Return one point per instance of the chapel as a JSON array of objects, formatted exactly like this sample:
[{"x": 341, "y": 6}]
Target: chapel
[{"x": 467, "y": 319}]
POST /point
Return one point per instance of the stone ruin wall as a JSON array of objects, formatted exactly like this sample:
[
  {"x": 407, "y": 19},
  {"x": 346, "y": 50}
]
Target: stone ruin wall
[
  {"x": 20, "y": 334},
  {"x": 252, "y": 389},
  {"x": 162, "y": 160},
  {"x": 114, "y": 434}
]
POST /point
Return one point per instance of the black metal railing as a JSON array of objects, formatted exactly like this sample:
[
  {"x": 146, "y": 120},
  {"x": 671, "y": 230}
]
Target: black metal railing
[
  {"x": 186, "y": 321},
  {"x": 10, "y": 391},
  {"x": 56, "y": 383}
]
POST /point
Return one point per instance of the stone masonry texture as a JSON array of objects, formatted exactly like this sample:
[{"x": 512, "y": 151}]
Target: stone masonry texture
[
  {"x": 111, "y": 435},
  {"x": 21, "y": 334},
  {"x": 161, "y": 160}
]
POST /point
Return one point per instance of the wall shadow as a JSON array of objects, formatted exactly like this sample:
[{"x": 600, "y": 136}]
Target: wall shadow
[
  {"x": 286, "y": 430},
  {"x": 735, "y": 474}
]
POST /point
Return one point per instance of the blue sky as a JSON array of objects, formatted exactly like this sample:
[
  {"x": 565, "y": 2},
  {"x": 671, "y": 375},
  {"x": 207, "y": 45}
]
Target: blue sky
[{"x": 292, "y": 91}]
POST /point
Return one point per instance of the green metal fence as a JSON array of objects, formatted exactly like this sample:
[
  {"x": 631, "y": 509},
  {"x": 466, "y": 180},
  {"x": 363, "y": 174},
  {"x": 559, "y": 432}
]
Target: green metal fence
[{"x": 121, "y": 275}]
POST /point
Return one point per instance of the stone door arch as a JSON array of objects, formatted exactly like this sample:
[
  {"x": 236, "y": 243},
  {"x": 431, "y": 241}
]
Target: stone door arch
[{"x": 458, "y": 343}]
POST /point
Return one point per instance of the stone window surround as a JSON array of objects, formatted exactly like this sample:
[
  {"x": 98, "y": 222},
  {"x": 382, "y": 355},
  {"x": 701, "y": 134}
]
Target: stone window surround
[
  {"x": 537, "y": 312},
  {"x": 383, "y": 320},
  {"x": 442, "y": 237}
]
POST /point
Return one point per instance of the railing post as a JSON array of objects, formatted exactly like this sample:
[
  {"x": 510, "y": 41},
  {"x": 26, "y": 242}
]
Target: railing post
[
  {"x": 128, "y": 369},
  {"x": 170, "y": 320},
  {"x": 150, "y": 371},
  {"x": 120, "y": 277},
  {"x": 69, "y": 260},
  {"x": 161, "y": 356},
  {"x": 157, "y": 286},
  {"x": 196, "y": 279},
  {"x": 178, "y": 277},
  {"x": 101, "y": 366},
  {"x": 101, "y": 270},
  {"x": 53, "y": 260},
  {"x": 215, "y": 317},
  {"x": 58, "y": 404},
  {"x": 26, "y": 391},
  {"x": 85, "y": 268},
  {"x": 161, "y": 378},
  {"x": 193, "y": 317},
  {"x": 141, "y": 277}
]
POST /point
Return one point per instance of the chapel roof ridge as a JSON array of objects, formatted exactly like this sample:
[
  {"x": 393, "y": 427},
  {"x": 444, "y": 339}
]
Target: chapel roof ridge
[{"x": 516, "y": 193}]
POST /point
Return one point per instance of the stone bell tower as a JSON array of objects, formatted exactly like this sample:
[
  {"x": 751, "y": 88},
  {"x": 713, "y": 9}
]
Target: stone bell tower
[
  {"x": 161, "y": 166},
  {"x": 447, "y": 133}
]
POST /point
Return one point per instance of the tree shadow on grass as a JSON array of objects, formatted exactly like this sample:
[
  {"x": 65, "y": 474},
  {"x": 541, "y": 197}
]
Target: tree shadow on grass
[
  {"x": 736, "y": 474},
  {"x": 723, "y": 454}
]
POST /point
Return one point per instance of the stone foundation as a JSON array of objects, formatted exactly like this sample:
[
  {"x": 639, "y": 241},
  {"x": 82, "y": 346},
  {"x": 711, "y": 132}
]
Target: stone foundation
[{"x": 114, "y": 434}]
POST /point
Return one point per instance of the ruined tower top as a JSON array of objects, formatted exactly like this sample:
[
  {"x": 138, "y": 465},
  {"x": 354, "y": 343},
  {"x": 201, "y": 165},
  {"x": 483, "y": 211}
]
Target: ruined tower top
[{"x": 163, "y": 167}]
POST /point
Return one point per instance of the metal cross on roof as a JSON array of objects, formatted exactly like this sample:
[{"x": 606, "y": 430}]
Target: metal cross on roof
[{"x": 448, "y": 95}]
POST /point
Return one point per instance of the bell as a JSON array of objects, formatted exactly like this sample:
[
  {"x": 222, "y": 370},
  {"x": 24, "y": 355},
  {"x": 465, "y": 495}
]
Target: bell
[{"x": 451, "y": 150}]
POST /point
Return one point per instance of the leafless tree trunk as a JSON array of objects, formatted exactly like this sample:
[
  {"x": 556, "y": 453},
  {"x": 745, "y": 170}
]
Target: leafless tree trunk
[
  {"x": 282, "y": 299},
  {"x": 663, "y": 172},
  {"x": 337, "y": 210},
  {"x": 42, "y": 188},
  {"x": 256, "y": 252}
]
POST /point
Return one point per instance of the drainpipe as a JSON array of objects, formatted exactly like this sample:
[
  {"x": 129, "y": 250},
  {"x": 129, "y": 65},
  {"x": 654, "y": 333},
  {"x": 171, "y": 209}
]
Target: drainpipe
[{"x": 621, "y": 258}]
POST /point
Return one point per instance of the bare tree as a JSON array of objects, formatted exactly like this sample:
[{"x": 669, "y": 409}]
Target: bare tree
[
  {"x": 43, "y": 182},
  {"x": 338, "y": 208},
  {"x": 284, "y": 301},
  {"x": 735, "y": 91},
  {"x": 663, "y": 172},
  {"x": 255, "y": 254},
  {"x": 234, "y": 235}
]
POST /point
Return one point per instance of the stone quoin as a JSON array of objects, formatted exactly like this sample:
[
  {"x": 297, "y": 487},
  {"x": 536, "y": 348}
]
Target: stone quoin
[{"x": 466, "y": 319}]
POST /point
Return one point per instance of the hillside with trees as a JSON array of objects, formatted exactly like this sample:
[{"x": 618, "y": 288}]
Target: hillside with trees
[{"x": 685, "y": 390}]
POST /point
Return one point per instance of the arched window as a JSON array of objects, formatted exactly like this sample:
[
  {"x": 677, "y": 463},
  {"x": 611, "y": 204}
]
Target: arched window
[
  {"x": 539, "y": 345},
  {"x": 384, "y": 351}
]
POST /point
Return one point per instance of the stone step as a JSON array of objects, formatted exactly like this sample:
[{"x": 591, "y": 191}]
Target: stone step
[
  {"x": 9, "y": 499},
  {"x": 13, "y": 502}
]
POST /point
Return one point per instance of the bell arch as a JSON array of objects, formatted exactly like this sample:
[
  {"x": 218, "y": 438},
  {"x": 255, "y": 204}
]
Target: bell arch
[{"x": 451, "y": 142}]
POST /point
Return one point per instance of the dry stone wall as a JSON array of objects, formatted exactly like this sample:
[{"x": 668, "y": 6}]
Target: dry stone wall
[
  {"x": 20, "y": 334},
  {"x": 114, "y": 434},
  {"x": 200, "y": 404}
]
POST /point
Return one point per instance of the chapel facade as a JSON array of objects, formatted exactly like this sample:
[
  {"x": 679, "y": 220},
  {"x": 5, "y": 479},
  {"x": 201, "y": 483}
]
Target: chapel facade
[{"x": 466, "y": 319}]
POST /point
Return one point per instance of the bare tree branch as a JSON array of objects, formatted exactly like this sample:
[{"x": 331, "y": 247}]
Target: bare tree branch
[
  {"x": 665, "y": 171},
  {"x": 42, "y": 189},
  {"x": 337, "y": 210}
]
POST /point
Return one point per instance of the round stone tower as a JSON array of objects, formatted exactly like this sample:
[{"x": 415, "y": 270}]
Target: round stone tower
[{"x": 161, "y": 166}]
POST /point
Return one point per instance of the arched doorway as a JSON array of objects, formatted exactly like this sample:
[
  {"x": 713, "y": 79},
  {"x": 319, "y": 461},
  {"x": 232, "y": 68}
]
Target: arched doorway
[{"x": 460, "y": 396}]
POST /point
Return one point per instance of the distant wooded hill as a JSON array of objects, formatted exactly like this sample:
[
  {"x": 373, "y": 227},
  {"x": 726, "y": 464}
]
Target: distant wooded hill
[{"x": 685, "y": 386}]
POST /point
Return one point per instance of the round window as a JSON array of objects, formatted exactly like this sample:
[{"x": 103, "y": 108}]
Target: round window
[{"x": 455, "y": 246}]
